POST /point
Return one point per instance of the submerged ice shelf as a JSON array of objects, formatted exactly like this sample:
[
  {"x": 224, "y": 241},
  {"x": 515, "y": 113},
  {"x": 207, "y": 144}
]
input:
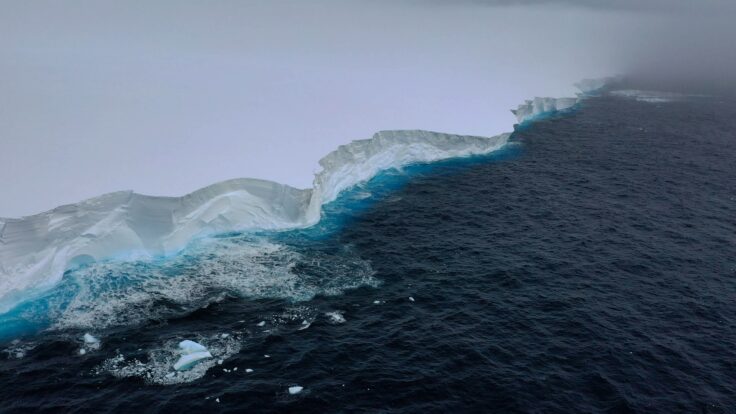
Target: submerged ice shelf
[{"x": 35, "y": 251}]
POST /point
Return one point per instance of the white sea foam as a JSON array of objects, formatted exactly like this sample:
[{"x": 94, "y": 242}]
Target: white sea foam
[
  {"x": 157, "y": 367},
  {"x": 651, "y": 96},
  {"x": 125, "y": 293}
]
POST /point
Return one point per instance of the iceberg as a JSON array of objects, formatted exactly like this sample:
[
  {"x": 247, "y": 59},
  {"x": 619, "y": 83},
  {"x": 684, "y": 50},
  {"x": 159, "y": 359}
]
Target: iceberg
[
  {"x": 36, "y": 250},
  {"x": 535, "y": 108}
]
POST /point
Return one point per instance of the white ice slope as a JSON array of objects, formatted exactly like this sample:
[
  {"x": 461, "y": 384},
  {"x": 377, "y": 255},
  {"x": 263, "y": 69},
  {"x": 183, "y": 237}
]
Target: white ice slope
[{"x": 36, "y": 250}]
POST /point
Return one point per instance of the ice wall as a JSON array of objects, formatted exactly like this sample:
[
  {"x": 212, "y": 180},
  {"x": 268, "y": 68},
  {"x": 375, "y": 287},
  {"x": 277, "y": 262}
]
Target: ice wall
[{"x": 36, "y": 250}]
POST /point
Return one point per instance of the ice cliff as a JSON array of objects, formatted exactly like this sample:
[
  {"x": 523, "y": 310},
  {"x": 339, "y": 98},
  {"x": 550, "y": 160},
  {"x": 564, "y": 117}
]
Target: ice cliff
[
  {"x": 537, "y": 107},
  {"x": 36, "y": 250}
]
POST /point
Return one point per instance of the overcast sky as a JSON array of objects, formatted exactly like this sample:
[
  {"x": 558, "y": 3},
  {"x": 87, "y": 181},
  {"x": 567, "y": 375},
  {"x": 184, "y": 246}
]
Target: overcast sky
[{"x": 164, "y": 97}]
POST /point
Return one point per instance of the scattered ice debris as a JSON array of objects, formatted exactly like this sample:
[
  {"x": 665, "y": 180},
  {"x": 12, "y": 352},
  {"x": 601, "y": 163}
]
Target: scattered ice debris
[
  {"x": 224, "y": 336},
  {"x": 336, "y": 316},
  {"x": 82, "y": 351},
  {"x": 305, "y": 325},
  {"x": 192, "y": 353},
  {"x": 157, "y": 366},
  {"x": 248, "y": 370},
  {"x": 411, "y": 298},
  {"x": 295, "y": 389},
  {"x": 219, "y": 362},
  {"x": 262, "y": 323},
  {"x": 18, "y": 349}
]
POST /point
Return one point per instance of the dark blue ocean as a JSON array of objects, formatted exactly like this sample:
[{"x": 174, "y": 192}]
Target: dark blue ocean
[{"x": 590, "y": 266}]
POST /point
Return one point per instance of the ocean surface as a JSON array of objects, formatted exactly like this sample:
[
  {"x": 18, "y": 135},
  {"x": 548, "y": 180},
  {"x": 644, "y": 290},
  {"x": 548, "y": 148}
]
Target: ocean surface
[{"x": 590, "y": 266}]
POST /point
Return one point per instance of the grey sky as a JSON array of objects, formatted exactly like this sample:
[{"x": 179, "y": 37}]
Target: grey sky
[{"x": 166, "y": 97}]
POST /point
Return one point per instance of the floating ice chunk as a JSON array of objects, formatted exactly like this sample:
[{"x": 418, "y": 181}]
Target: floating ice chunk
[
  {"x": 188, "y": 347},
  {"x": 305, "y": 325},
  {"x": 295, "y": 389},
  {"x": 248, "y": 370},
  {"x": 170, "y": 375},
  {"x": 336, "y": 317},
  {"x": 266, "y": 356},
  {"x": 411, "y": 298},
  {"x": 90, "y": 340},
  {"x": 192, "y": 353},
  {"x": 217, "y": 400},
  {"x": 82, "y": 351},
  {"x": 188, "y": 361},
  {"x": 219, "y": 362},
  {"x": 262, "y": 323},
  {"x": 224, "y": 336}
]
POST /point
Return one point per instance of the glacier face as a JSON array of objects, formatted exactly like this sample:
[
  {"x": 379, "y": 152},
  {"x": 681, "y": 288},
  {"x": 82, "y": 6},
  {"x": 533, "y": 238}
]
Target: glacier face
[{"x": 36, "y": 250}]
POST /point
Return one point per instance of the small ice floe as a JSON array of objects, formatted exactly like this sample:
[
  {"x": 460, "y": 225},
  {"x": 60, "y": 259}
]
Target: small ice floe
[
  {"x": 261, "y": 323},
  {"x": 411, "y": 299},
  {"x": 336, "y": 316},
  {"x": 219, "y": 362},
  {"x": 248, "y": 370},
  {"x": 305, "y": 325},
  {"x": 377, "y": 302},
  {"x": 296, "y": 389},
  {"x": 217, "y": 400},
  {"x": 266, "y": 356},
  {"x": 90, "y": 342},
  {"x": 224, "y": 336},
  {"x": 191, "y": 354}
]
